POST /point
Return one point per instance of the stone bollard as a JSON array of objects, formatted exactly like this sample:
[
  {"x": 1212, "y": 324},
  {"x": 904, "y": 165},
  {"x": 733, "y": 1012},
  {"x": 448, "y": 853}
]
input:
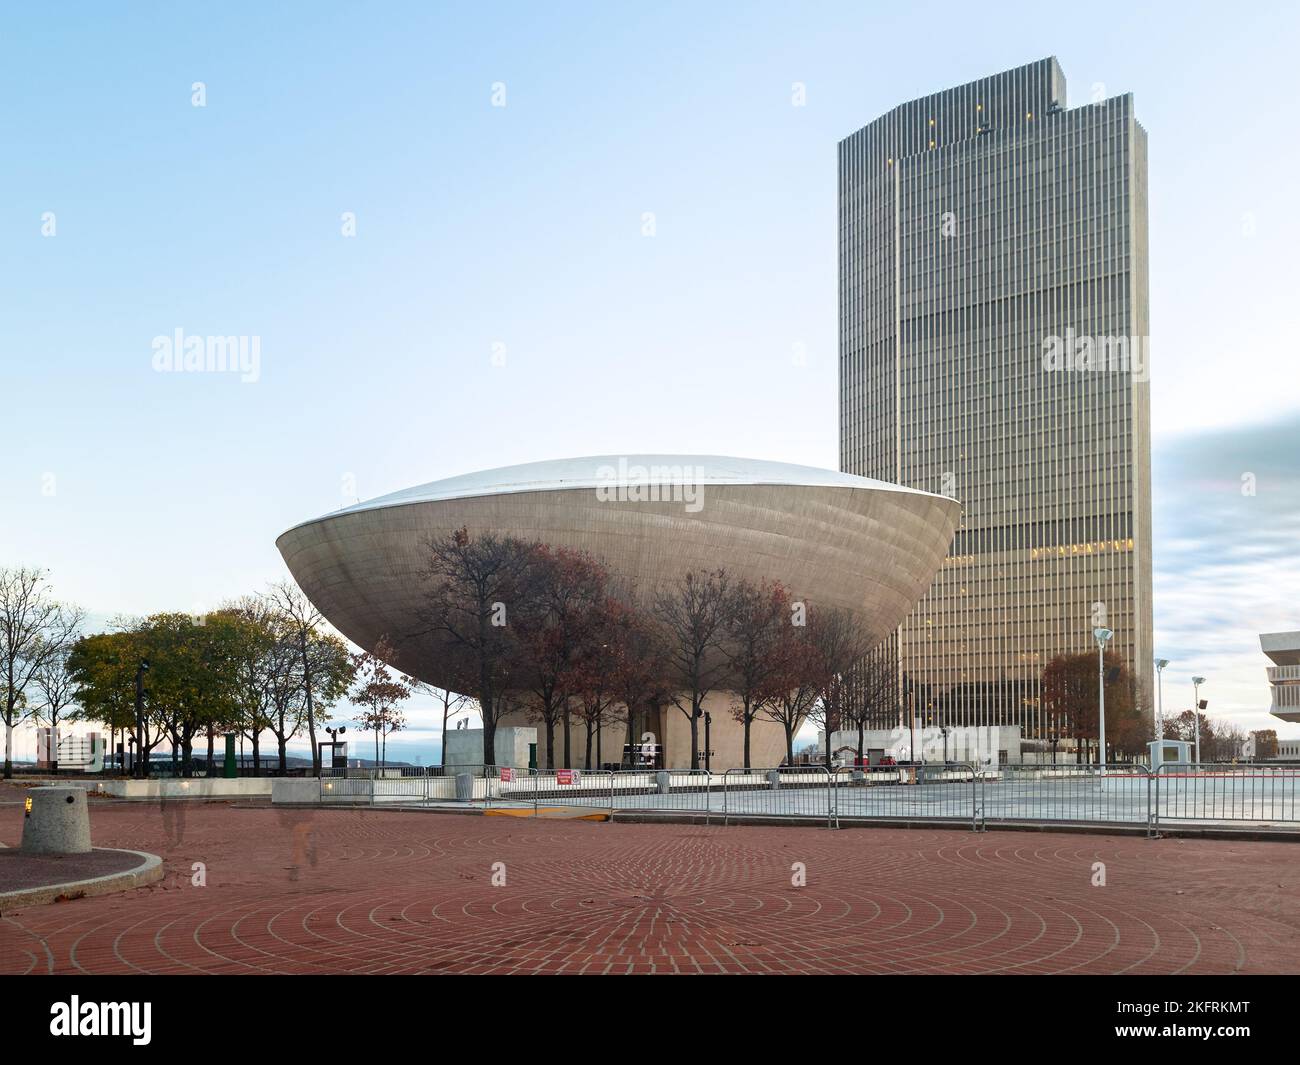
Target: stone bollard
[
  {"x": 58, "y": 822},
  {"x": 661, "y": 781},
  {"x": 464, "y": 787}
]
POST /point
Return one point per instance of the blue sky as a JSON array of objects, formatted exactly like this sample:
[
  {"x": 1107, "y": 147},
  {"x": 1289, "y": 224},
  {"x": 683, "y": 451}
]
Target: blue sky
[{"x": 522, "y": 226}]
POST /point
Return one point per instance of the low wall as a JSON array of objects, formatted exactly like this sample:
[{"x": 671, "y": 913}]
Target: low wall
[
  {"x": 193, "y": 788},
  {"x": 296, "y": 789}
]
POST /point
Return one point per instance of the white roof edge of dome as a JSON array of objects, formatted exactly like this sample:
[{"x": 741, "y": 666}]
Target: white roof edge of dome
[{"x": 592, "y": 471}]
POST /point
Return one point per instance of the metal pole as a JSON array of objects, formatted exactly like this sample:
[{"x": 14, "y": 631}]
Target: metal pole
[
  {"x": 1101, "y": 703},
  {"x": 1160, "y": 703},
  {"x": 1196, "y": 711}
]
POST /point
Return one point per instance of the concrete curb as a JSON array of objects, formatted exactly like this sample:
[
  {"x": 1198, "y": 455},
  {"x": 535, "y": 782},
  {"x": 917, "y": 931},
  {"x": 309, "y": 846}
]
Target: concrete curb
[{"x": 148, "y": 871}]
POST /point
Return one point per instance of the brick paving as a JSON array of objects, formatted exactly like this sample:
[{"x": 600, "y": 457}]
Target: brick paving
[{"x": 346, "y": 891}]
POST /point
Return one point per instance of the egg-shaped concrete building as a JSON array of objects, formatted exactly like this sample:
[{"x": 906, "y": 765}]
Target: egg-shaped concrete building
[{"x": 833, "y": 539}]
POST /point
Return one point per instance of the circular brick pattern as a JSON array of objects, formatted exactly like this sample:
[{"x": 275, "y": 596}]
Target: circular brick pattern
[{"x": 382, "y": 892}]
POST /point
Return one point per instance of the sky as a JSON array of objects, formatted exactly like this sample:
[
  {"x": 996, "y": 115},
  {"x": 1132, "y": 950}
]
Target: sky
[{"x": 626, "y": 257}]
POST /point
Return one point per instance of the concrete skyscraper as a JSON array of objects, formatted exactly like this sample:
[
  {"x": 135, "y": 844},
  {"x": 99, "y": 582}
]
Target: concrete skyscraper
[{"x": 994, "y": 347}]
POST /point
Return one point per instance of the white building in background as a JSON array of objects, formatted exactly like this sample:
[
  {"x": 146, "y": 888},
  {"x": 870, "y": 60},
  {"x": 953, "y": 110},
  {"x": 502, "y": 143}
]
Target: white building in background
[
  {"x": 977, "y": 744},
  {"x": 1283, "y": 650}
]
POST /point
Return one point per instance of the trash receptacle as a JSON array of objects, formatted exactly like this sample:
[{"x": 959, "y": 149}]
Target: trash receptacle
[{"x": 464, "y": 787}]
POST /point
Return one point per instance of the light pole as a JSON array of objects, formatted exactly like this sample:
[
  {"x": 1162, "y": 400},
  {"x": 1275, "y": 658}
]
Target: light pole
[
  {"x": 137, "y": 769},
  {"x": 1160, "y": 697},
  {"x": 1196, "y": 712},
  {"x": 1101, "y": 635}
]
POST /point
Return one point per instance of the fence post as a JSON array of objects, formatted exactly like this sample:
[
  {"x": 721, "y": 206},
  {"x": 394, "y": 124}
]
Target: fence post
[{"x": 1153, "y": 809}]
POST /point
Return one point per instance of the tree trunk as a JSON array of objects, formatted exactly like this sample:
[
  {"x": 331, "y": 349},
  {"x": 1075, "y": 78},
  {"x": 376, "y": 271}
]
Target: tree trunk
[
  {"x": 9, "y": 745},
  {"x": 311, "y": 709},
  {"x": 789, "y": 743},
  {"x": 257, "y": 765},
  {"x": 284, "y": 758},
  {"x": 568, "y": 753},
  {"x": 748, "y": 720},
  {"x": 588, "y": 744},
  {"x": 211, "y": 752},
  {"x": 695, "y": 736},
  {"x": 445, "y": 700},
  {"x": 550, "y": 743}
]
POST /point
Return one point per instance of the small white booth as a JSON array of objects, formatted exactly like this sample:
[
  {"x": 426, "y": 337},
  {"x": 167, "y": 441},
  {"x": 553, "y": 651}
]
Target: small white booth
[{"x": 1169, "y": 752}]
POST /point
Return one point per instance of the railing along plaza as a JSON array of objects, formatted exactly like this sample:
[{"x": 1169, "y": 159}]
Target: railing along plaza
[{"x": 1116, "y": 793}]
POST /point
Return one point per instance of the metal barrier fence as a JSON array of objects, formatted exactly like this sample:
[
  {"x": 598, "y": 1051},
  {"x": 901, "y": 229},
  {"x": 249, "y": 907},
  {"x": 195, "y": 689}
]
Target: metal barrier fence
[
  {"x": 943, "y": 792},
  {"x": 1118, "y": 793},
  {"x": 783, "y": 791},
  {"x": 668, "y": 790},
  {"x": 371, "y": 789},
  {"x": 1224, "y": 792},
  {"x": 587, "y": 788}
]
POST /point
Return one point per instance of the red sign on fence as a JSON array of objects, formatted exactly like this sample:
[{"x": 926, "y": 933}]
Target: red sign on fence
[
  {"x": 506, "y": 775},
  {"x": 566, "y": 776}
]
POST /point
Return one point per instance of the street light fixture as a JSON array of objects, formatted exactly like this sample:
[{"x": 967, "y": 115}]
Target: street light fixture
[
  {"x": 1101, "y": 635},
  {"x": 139, "y": 769},
  {"x": 1160, "y": 697},
  {"x": 1196, "y": 711}
]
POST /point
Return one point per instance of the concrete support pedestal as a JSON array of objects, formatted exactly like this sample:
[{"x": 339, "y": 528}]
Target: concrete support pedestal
[{"x": 58, "y": 822}]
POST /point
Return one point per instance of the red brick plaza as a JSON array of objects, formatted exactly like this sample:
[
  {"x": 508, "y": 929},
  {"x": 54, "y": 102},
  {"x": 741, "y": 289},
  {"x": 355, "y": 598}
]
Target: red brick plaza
[{"x": 345, "y": 891}]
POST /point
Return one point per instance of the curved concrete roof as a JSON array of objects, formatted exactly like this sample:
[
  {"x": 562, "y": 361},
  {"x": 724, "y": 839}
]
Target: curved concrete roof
[
  {"x": 595, "y": 470},
  {"x": 832, "y": 538}
]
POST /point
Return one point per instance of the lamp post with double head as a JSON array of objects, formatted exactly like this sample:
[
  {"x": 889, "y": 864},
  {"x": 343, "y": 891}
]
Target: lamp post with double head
[
  {"x": 1160, "y": 697},
  {"x": 1101, "y": 635}
]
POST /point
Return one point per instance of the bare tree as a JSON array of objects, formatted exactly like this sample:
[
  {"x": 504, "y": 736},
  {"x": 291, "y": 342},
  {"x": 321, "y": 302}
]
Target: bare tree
[
  {"x": 693, "y": 616},
  {"x": 476, "y": 585},
  {"x": 797, "y": 682},
  {"x": 303, "y": 622},
  {"x": 559, "y": 635},
  {"x": 868, "y": 688},
  {"x": 378, "y": 692},
  {"x": 57, "y": 692},
  {"x": 452, "y": 703},
  {"x": 842, "y": 647},
  {"x": 34, "y": 628},
  {"x": 756, "y": 615}
]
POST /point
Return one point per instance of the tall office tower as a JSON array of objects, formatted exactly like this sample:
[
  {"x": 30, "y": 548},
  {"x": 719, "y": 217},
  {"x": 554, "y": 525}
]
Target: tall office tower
[{"x": 993, "y": 347}]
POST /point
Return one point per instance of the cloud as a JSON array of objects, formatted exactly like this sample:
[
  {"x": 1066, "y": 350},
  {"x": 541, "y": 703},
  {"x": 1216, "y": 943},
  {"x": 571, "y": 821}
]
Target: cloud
[{"x": 1226, "y": 511}]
